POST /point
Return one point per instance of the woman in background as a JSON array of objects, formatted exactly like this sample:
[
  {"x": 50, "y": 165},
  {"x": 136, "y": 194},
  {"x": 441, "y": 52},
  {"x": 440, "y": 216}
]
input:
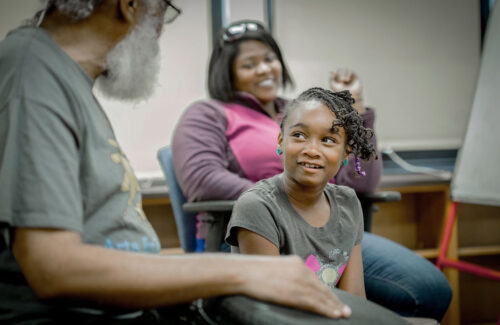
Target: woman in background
[{"x": 223, "y": 145}]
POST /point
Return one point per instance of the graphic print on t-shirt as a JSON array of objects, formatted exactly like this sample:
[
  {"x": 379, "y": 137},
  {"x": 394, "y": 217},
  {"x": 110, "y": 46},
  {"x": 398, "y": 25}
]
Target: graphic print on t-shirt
[
  {"x": 133, "y": 215},
  {"x": 130, "y": 183},
  {"x": 330, "y": 272}
]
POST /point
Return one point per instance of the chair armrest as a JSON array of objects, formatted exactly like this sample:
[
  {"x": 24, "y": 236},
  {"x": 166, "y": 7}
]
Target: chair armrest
[
  {"x": 208, "y": 206},
  {"x": 215, "y": 218},
  {"x": 382, "y": 196}
]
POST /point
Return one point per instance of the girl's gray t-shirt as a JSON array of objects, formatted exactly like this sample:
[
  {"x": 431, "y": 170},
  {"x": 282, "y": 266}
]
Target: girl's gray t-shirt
[{"x": 266, "y": 210}]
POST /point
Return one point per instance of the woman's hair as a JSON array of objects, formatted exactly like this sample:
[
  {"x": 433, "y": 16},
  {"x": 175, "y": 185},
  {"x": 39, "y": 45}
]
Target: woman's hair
[
  {"x": 347, "y": 117},
  {"x": 220, "y": 69}
]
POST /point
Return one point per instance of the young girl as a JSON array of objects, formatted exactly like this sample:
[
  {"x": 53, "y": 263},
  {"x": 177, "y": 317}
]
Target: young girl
[{"x": 298, "y": 211}]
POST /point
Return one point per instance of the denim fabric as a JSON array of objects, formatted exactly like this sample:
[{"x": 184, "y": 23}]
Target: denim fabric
[{"x": 402, "y": 281}]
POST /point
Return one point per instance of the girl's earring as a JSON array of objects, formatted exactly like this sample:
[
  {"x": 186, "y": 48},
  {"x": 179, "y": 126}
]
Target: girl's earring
[
  {"x": 357, "y": 167},
  {"x": 346, "y": 162},
  {"x": 278, "y": 151}
]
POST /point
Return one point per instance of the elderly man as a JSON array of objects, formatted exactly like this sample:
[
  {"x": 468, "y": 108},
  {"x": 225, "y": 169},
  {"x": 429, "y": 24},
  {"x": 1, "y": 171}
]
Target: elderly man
[{"x": 74, "y": 241}]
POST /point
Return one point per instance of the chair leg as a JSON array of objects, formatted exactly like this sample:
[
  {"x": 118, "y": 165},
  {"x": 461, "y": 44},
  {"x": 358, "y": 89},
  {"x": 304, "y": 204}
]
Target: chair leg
[
  {"x": 472, "y": 269},
  {"x": 443, "y": 261},
  {"x": 450, "y": 220}
]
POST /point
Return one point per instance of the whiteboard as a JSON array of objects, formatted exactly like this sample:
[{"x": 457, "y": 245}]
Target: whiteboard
[{"x": 477, "y": 174}]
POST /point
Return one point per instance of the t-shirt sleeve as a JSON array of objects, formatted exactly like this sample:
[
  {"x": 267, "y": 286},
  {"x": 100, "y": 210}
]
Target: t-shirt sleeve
[
  {"x": 351, "y": 214},
  {"x": 252, "y": 212},
  {"x": 39, "y": 174}
]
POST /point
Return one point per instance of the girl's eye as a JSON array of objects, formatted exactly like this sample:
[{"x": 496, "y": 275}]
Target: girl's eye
[
  {"x": 329, "y": 140},
  {"x": 298, "y": 135}
]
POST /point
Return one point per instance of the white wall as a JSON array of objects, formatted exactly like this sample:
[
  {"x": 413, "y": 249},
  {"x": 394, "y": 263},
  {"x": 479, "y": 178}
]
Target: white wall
[
  {"x": 144, "y": 128},
  {"x": 244, "y": 9},
  {"x": 418, "y": 61},
  {"x": 13, "y": 12}
]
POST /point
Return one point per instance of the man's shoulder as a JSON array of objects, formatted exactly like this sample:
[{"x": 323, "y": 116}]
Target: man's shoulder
[
  {"x": 15, "y": 53},
  {"x": 34, "y": 67},
  {"x": 23, "y": 47},
  {"x": 19, "y": 37}
]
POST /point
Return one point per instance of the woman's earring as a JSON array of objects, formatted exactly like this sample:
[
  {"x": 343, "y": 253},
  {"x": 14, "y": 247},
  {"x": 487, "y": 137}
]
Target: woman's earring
[
  {"x": 278, "y": 151},
  {"x": 346, "y": 162}
]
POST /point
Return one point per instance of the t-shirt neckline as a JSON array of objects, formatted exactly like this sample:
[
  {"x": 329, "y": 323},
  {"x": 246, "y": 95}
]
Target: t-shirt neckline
[{"x": 331, "y": 199}]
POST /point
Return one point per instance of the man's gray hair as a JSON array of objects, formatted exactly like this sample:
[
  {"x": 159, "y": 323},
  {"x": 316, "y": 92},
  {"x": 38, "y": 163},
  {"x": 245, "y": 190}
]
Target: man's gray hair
[{"x": 75, "y": 9}]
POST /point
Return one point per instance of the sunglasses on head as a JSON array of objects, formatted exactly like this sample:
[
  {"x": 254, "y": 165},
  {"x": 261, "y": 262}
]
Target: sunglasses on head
[
  {"x": 171, "y": 12},
  {"x": 237, "y": 30}
]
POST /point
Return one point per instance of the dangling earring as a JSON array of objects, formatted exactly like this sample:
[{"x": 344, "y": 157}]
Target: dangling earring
[
  {"x": 346, "y": 162},
  {"x": 278, "y": 151},
  {"x": 357, "y": 167}
]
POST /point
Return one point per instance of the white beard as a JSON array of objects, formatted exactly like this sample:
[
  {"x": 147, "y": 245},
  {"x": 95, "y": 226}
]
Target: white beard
[{"x": 131, "y": 68}]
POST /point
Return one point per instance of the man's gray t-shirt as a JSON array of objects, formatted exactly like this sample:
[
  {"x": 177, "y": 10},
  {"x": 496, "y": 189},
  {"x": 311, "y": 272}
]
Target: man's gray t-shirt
[
  {"x": 266, "y": 210},
  {"x": 60, "y": 164}
]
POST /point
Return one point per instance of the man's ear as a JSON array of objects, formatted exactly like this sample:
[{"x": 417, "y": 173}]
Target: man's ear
[{"x": 129, "y": 10}]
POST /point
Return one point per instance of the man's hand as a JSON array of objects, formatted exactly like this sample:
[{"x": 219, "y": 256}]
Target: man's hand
[
  {"x": 57, "y": 264},
  {"x": 344, "y": 79},
  {"x": 287, "y": 281}
]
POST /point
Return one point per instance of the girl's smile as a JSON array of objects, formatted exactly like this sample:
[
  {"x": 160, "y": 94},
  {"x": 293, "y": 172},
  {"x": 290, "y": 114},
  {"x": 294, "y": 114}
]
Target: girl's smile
[{"x": 312, "y": 149}]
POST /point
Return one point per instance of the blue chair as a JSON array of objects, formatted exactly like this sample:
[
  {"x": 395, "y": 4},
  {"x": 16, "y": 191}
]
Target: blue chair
[
  {"x": 215, "y": 212},
  {"x": 186, "y": 222}
]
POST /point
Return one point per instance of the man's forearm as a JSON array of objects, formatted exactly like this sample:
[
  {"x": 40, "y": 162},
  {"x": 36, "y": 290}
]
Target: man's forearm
[
  {"x": 122, "y": 279},
  {"x": 58, "y": 265}
]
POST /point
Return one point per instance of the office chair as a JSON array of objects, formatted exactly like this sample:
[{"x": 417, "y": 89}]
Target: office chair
[
  {"x": 216, "y": 214},
  {"x": 186, "y": 222}
]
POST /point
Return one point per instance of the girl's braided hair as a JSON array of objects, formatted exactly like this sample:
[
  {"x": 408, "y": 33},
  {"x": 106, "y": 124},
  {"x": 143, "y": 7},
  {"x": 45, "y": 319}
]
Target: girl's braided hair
[{"x": 347, "y": 117}]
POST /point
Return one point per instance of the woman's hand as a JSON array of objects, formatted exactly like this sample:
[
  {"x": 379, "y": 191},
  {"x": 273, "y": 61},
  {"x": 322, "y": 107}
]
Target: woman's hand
[{"x": 344, "y": 79}]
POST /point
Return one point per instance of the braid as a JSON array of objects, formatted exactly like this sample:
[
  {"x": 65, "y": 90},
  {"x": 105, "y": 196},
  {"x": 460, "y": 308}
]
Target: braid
[{"x": 347, "y": 117}]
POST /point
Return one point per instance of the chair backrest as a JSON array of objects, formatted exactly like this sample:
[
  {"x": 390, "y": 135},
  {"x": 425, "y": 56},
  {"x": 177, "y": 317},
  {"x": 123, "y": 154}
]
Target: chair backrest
[{"x": 186, "y": 222}]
